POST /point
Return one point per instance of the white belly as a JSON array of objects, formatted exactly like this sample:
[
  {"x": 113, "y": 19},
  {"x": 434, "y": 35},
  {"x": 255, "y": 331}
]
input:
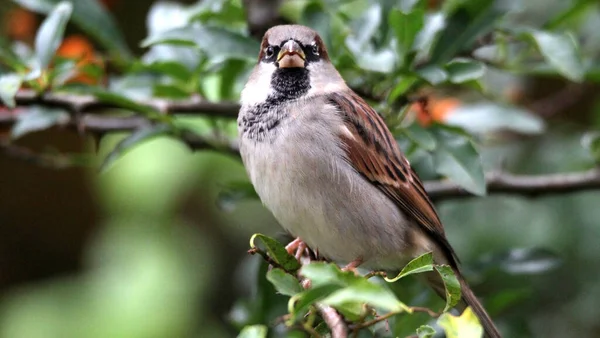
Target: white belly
[{"x": 321, "y": 199}]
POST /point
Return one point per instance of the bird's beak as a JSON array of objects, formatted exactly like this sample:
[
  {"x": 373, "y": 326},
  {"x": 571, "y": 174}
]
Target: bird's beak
[{"x": 291, "y": 55}]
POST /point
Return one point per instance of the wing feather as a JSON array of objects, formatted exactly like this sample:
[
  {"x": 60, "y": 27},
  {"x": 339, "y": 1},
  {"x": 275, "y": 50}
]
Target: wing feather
[{"x": 374, "y": 153}]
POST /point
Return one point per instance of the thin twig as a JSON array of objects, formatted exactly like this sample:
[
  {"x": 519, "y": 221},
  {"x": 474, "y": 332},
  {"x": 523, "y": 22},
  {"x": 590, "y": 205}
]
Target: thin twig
[{"x": 374, "y": 321}]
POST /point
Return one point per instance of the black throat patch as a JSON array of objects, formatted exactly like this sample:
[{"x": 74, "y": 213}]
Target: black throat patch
[
  {"x": 260, "y": 121},
  {"x": 289, "y": 84}
]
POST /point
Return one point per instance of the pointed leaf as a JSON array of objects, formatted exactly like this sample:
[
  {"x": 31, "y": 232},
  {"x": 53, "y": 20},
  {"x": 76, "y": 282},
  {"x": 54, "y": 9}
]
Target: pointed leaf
[
  {"x": 321, "y": 273},
  {"x": 283, "y": 282},
  {"x": 462, "y": 70},
  {"x": 38, "y": 118},
  {"x": 375, "y": 295},
  {"x": 9, "y": 86},
  {"x": 420, "y": 136},
  {"x": 406, "y": 26},
  {"x": 451, "y": 285},
  {"x": 561, "y": 51},
  {"x": 50, "y": 34},
  {"x": 420, "y": 264},
  {"x": 465, "y": 326},
  {"x": 456, "y": 158},
  {"x": 235, "y": 192},
  {"x": 277, "y": 252}
]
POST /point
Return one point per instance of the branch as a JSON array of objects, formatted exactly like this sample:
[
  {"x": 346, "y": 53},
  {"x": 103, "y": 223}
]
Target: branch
[
  {"x": 527, "y": 185},
  {"x": 75, "y": 103}
]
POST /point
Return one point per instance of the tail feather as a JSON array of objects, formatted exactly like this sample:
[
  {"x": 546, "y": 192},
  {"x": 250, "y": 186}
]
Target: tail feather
[{"x": 468, "y": 298}]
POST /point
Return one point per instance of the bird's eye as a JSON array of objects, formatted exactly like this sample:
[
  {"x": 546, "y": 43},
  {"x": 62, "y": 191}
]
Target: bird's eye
[
  {"x": 315, "y": 49},
  {"x": 269, "y": 52}
]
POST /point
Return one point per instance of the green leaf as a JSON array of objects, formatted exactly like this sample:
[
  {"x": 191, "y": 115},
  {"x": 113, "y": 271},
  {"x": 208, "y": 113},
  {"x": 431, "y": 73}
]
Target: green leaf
[
  {"x": 284, "y": 283},
  {"x": 315, "y": 16},
  {"x": 402, "y": 87},
  {"x": 321, "y": 273},
  {"x": 50, "y": 34},
  {"x": 451, "y": 284},
  {"x": 561, "y": 51},
  {"x": 300, "y": 303},
  {"x": 37, "y": 118},
  {"x": 465, "y": 326},
  {"x": 253, "y": 331},
  {"x": 425, "y": 331},
  {"x": 419, "y": 135},
  {"x": 591, "y": 141},
  {"x": 461, "y": 70},
  {"x": 456, "y": 158},
  {"x": 406, "y": 26},
  {"x": 217, "y": 42},
  {"x": 433, "y": 74},
  {"x": 277, "y": 252},
  {"x": 234, "y": 192},
  {"x": 470, "y": 20},
  {"x": 134, "y": 139},
  {"x": 9, "y": 86},
  {"x": 172, "y": 69},
  {"x": 376, "y": 295},
  {"x": 491, "y": 117},
  {"x": 92, "y": 18},
  {"x": 420, "y": 264}
]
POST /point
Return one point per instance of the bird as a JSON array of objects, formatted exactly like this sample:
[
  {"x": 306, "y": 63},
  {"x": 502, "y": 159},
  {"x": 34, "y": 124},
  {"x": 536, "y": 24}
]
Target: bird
[{"x": 327, "y": 167}]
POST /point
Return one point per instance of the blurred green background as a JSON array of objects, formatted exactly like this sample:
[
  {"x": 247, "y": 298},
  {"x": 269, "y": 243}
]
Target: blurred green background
[{"x": 146, "y": 249}]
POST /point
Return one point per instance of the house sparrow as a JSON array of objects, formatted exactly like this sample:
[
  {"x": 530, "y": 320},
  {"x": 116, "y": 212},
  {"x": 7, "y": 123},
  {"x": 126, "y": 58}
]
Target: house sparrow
[{"x": 328, "y": 168}]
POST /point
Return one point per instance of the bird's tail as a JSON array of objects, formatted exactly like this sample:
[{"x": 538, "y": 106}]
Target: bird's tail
[{"x": 468, "y": 298}]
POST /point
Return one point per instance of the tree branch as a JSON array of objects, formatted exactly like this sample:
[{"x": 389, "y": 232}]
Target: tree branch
[
  {"x": 76, "y": 103},
  {"x": 524, "y": 185}
]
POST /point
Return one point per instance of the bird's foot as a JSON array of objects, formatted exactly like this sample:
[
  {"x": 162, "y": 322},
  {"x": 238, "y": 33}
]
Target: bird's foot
[
  {"x": 353, "y": 265},
  {"x": 296, "y": 248}
]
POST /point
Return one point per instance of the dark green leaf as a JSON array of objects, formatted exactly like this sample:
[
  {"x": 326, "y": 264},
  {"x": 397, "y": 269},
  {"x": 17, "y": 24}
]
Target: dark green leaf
[
  {"x": 50, "y": 34},
  {"x": 421, "y": 136},
  {"x": 561, "y": 51},
  {"x": 470, "y": 20},
  {"x": 406, "y": 27},
  {"x": 173, "y": 69},
  {"x": 91, "y": 17},
  {"x": 37, "y": 118},
  {"x": 169, "y": 91},
  {"x": 300, "y": 303},
  {"x": 433, "y": 74},
  {"x": 376, "y": 295},
  {"x": 235, "y": 192},
  {"x": 218, "y": 43},
  {"x": 253, "y": 331},
  {"x": 284, "y": 283},
  {"x": 9, "y": 85},
  {"x": 465, "y": 326},
  {"x": 321, "y": 273},
  {"x": 451, "y": 285},
  {"x": 420, "y": 264},
  {"x": 456, "y": 158},
  {"x": 277, "y": 252},
  {"x": 463, "y": 70},
  {"x": 135, "y": 138},
  {"x": 402, "y": 88},
  {"x": 425, "y": 331},
  {"x": 491, "y": 117}
]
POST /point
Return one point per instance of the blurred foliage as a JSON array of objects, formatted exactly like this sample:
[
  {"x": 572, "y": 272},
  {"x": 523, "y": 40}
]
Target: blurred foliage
[{"x": 453, "y": 80}]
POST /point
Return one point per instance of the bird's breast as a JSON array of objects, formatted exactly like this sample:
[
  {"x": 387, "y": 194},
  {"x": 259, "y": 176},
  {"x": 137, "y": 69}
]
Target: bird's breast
[{"x": 302, "y": 177}]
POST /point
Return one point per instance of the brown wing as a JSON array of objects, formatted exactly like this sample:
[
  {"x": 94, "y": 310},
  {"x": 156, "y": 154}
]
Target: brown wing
[{"x": 374, "y": 153}]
